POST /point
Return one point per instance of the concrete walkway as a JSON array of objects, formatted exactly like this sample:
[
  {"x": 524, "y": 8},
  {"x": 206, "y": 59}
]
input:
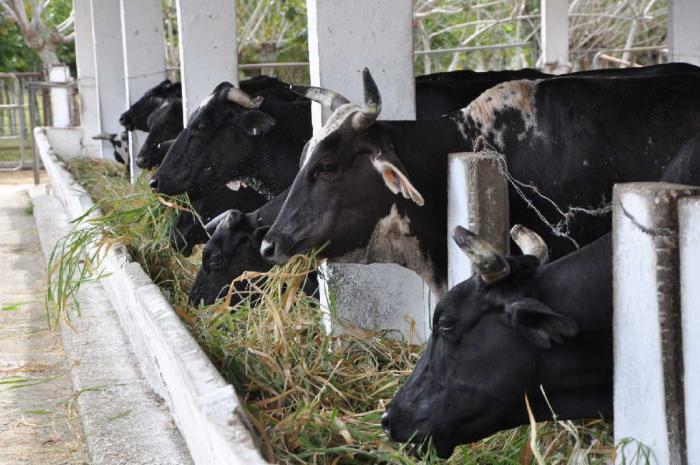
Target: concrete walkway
[{"x": 39, "y": 423}]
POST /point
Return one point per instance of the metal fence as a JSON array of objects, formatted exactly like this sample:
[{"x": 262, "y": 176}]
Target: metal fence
[{"x": 14, "y": 113}]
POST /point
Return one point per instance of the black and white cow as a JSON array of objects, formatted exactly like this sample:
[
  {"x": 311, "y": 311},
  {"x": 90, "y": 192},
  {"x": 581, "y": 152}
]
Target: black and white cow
[
  {"x": 120, "y": 144},
  {"x": 164, "y": 124},
  {"x": 234, "y": 247},
  {"x": 377, "y": 189},
  {"x": 188, "y": 229},
  {"x": 136, "y": 117},
  {"x": 516, "y": 327}
]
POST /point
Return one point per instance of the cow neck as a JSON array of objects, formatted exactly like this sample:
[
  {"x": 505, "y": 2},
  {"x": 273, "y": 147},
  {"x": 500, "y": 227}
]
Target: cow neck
[
  {"x": 577, "y": 376},
  {"x": 423, "y": 148}
]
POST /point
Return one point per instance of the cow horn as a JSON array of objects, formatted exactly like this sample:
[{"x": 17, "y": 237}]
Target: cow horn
[
  {"x": 372, "y": 106},
  {"x": 530, "y": 242},
  {"x": 329, "y": 99},
  {"x": 490, "y": 264},
  {"x": 236, "y": 95}
]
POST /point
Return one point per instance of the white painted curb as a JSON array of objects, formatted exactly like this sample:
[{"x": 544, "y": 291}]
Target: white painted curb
[{"x": 205, "y": 407}]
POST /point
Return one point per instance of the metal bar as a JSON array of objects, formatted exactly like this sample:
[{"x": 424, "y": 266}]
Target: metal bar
[
  {"x": 20, "y": 123},
  {"x": 648, "y": 48},
  {"x": 473, "y": 49}
]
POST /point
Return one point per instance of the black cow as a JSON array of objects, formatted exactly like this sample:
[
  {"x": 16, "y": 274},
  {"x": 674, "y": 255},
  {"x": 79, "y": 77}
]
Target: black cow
[
  {"x": 164, "y": 123},
  {"x": 570, "y": 137},
  {"x": 136, "y": 117},
  {"x": 234, "y": 247},
  {"x": 188, "y": 230},
  {"x": 252, "y": 137},
  {"x": 514, "y": 326}
]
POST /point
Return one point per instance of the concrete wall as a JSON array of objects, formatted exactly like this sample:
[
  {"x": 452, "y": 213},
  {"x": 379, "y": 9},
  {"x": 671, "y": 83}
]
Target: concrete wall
[{"x": 555, "y": 36}]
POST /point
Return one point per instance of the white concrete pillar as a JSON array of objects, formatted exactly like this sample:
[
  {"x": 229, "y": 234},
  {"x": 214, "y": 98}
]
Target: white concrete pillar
[
  {"x": 555, "y": 36},
  {"x": 648, "y": 359},
  {"x": 85, "y": 60},
  {"x": 683, "y": 38},
  {"x": 345, "y": 37},
  {"x": 477, "y": 199},
  {"x": 689, "y": 228},
  {"x": 60, "y": 103},
  {"x": 144, "y": 57},
  {"x": 109, "y": 68},
  {"x": 208, "y": 50}
]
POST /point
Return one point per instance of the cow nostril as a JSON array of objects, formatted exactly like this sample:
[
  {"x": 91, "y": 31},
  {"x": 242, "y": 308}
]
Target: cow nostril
[
  {"x": 153, "y": 183},
  {"x": 267, "y": 249}
]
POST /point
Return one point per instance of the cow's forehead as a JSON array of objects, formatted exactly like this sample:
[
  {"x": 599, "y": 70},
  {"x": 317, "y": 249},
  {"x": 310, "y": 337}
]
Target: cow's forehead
[{"x": 334, "y": 122}]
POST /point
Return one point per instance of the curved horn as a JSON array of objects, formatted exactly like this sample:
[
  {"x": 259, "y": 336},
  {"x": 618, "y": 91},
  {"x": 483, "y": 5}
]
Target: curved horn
[
  {"x": 490, "y": 264},
  {"x": 372, "y": 106},
  {"x": 329, "y": 99},
  {"x": 236, "y": 95},
  {"x": 530, "y": 242}
]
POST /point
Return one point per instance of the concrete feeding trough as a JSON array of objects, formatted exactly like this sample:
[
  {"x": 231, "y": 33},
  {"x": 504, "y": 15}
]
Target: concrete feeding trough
[{"x": 205, "y": 407}]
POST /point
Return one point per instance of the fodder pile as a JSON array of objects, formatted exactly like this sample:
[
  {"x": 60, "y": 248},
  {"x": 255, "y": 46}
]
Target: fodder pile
[{"x": 313, "y": 398}]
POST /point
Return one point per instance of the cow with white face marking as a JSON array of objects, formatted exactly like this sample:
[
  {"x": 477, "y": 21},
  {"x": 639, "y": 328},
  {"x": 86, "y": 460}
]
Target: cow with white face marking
[
  {"x": 518, "y": 326},
  {"x": 377, "y": 190},
  {"x": 136, "y": 117},
  {"x": 120, "y": 144}
]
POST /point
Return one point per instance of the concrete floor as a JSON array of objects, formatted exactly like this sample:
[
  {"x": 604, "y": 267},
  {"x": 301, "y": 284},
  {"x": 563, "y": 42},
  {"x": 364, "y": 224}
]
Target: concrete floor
[{"x": 38, "y": 415}]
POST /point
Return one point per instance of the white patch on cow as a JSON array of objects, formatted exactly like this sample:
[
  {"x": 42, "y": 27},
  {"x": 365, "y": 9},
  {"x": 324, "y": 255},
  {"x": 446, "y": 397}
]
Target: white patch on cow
[
  {"x": 518, "y": 95},
  {"x": 205, "y": 100},
  {"x": 234, "y": 185},
  {"x": 165, "y": 103},
  {"x": 392, "y": 242},
  {"x": 339, "y": 116}
]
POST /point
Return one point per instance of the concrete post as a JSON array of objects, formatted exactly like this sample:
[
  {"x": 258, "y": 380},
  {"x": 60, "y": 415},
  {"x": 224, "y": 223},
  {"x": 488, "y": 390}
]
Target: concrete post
[
  {"x": 109, "y": 68},
  {"x": 208, "y": 55},
  {"x": 683, "y": 41},
  {"x": 648, "y": 385},
  {"x": 689, "y": 226},
  {"x": 477, "y": 199},
  {"x": 144, "y": 57},
  {"x": 345, "y": 37},
  {"x": 555, "y": 36},
  {"x": 85, "y": 60},
  {"x": 60, "y": 103}
]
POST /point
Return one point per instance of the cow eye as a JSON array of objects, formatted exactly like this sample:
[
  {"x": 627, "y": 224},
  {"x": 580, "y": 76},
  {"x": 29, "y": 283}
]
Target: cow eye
[
  {"x": 328, "y": 167},
  {"x": 445, "y": 325}
]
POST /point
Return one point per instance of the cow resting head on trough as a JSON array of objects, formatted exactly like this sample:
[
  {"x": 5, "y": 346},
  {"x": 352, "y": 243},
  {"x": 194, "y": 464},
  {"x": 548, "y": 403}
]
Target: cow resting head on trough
[{"x": 517, "y": 327}]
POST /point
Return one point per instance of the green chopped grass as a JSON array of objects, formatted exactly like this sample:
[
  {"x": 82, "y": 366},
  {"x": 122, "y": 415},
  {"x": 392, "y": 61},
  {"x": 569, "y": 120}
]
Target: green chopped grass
[{"x": 312, "y": 398}]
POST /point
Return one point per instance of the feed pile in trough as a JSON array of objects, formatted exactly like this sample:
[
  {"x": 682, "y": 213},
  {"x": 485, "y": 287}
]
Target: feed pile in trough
[{"x": 312, "y": 398}]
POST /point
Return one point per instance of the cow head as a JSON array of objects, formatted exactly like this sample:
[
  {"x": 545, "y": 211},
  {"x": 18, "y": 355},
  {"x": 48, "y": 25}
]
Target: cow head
[
  {"x": 164, "y": 124},
  {"x": 137, "y": 115},
  {"x": 348, "y": 181},
  {"x": 221, "y": 137},
  {"x": 231, "y": 250},
  {"x": 120, "y": 144},
  {"x": 488, "y": 333}
]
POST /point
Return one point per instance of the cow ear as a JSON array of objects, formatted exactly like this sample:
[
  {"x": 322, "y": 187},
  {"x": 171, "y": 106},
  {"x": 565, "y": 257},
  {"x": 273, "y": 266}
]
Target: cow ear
[
  {"x": 211, "y": 226},
  {"x": 396, "y": 180},
  {"x": 538, "y": 323},
  {"x": 256, "y": 122}
]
